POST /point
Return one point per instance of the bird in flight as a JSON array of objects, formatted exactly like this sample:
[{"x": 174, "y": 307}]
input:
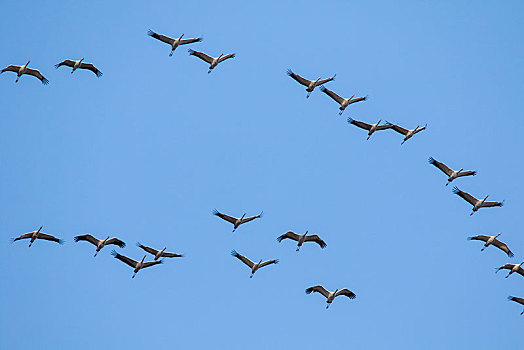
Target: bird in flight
[
  {"x": 512, "y": 269},
  {"x": 492, "y": 240},
  {"x": 343, "y": 102},
  {"x": 476, "y": 203},
  {"x": 34, "y": 235},
  {"x": 236, "y": 221},
  {"x": 79, "y": 65},
  {"x": 158, "y": 253},
  {"x": 173, "y": 42},
  {"x": 99, "y": 243},
  {"x": 310, "y": 84},
  {"x": 330, "y": 296},
  {"x": 252, "y": 265},
  {"x": 21, "y": 70},
  {"x": 213, "y": 61},
  {"x": 136, "y": 265},
  {"x": 406, "y": 132},
  {"x": 371, "y": 128},
  {"x": 302, "y": 238}
]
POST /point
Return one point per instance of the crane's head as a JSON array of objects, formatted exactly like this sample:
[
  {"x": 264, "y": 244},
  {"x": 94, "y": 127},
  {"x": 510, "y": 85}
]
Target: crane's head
[
  {"x": 39, "y": 228},
  {"x": 222, "y": 54},
  {"x": 352, "y": 96},
  {"x": 461, "y": 170},
  {"x": 81, "y": 59},
  {"x": 307, "y": 232},
  {"x": 486, "y": 198},
  {"x": 379, "y": 121},
  {"x": 181, "y": 36},
  {"x": 27, "y": 63},
  {"x": 243, "y": 215},
  {"x": 336, "y": 290},
  {"x": 144, "y": 258},
  {"x": 498, "y": 235}
]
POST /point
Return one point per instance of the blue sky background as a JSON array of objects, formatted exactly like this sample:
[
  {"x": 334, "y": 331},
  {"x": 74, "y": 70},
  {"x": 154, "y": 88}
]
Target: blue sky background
[{"x": 148, "y": 150}]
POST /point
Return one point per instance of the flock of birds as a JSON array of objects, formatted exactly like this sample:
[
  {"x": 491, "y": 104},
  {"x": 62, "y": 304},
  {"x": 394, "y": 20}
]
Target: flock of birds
[{"x": 310, "y": 85}]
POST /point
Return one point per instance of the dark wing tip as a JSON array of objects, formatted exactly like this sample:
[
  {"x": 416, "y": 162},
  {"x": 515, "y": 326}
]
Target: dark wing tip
[
  {"x": 469, "y": 238},
  {"x": 60, "y": 241},
  {"x": 352, "y": 296},
  {"x": 12, "y": 240},
  {"x": 98, "y": 73},
  {"x": 333, "y": 77},
  {"x": 234, "y": 253},
  {"x": 138, "y": 244},
  {"x": 45, "y": 81},
  {"x": 502, "y": 203},
  {"x": 191, "y": 51},
  {"x": 57, "y": 65},
  {"x": 350, "y": 120},
  {"x": 431, "y": 160},
  {"x": 121, "y": 244},
  {"x": 474, "y": 172},
  {"x": 323, "y": 244},
  {"x": 280, "y": 238},
  {"x": 276, "y": 261},
  {"x": 215, "y": 212},
  {"x": 510, "y": 297},
  {"x": 150, "y": 32},
  {"x": 76, "y": 239},
  {"x": 114, "y": 253},
  {"x": 510, "y": 254},
  {"x": 309, "y": 290},
  {"x": 261, "y": 214},
  {"x": 323, "y": 88},
  {"x": 289, "y": 72},
  {"x": 456, "y": 190},
  {"x": 233, "y": 55}
]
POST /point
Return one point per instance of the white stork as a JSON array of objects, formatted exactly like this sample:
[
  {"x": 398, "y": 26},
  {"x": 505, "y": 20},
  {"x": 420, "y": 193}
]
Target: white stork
[
  {"x": 344, "y": 102},
  {"x": 476, "y": 203},
  {"x": 158, "y": 253},
  {"x": 512, "y": 269},
  {"x": 406, "y": 132},
  {"x": 79, "y": 65},
  {"x": 492, "y": 240},
  {"x": 452, "y": 174},
  {"x": 302, "y": 238},
  {"x": 517, "y": 300},
  {"x": 371, "y": 128},
  {"x": 21, "y": 70},
  {"x": 136, "y": 265},
  {"x": 99, "y": 243},
  {"x": 213, "y": 61},
  {"x": 34, "y": 235},
  {"x": 173, "y": 42},
  {"x": 310, "y": 84},
  {"x": 236, "y": 221},
  {"x": 253, "y": 266},
  {"x": 330, "y": 296}
]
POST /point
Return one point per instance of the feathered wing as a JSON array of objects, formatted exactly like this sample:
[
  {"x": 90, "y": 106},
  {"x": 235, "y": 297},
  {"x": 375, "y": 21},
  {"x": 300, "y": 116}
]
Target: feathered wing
[
  {"x": 483, "y": 238},
  {"x": 317, "y": 240},
  {"x": 290, "y": 235},
  {"x": 116, "y": 241},
  {"x": 147, "y": 249},
  {"x": 505, "y": 267},
  {"x": 124, "y": 259},
  {"x": 466, "y": 196},
  {"x": 346, "y": 292},
  {"x": 224, "y": 216},
  {"x": 10, "y": 68},
  {"x": 87, "y": 238},
  {"x": 68, "y": 63},
  {"x": 398, "y": 128},
  {"x": 171, "y": 255},
  {"x": 151, "y": 263},
  {"x": 161, "y": 37},
  {"x": 384, "y": 127},
  {"x": 416, "y": 131},
  {"x": 503, "y": 246},
  {"x": 268, "y": 262},
  {"x": 361, "y": 125},
  {"x": 323, "y": 81},
  {"x": 467, "y": 173},
  {"x": 24, "y": 236},
  {"x": 516, "y": 299},
  {"x": 36, "y": 73},
  {"x": 357, "y": 99},
  {"x": 318, "y": 289},
  {"x": 298, "y": 78},
  {"x": 243, "y": 259},
  {"x": 225, "y": 57},
  {"x": 520, "y": 271},
  {"x": 92, "y": 68},
  {"x": 49, "y": 238},
  {"x": 443, "y": 167},
  {"x": 190, "y": 40},
  {"x": 201, "y": 55},
  {"x": 492, "y": 204},
  {"x": 248, "y": 219},
  {"x": 331, "y": 94}
]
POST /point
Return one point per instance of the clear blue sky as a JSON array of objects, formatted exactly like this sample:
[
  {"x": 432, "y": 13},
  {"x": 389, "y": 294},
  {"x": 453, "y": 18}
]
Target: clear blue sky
[{"x": 148, "y": 150}]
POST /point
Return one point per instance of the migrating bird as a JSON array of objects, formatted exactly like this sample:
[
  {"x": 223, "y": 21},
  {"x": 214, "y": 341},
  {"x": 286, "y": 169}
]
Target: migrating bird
[
  {"x": 452, "y": 174},
  {"x": 174, "y": 42},
  {"x": 476, "y": 203},
  {"x": 236, "y": 221},
  {"x": 253, "y": 266},
  {"x": 406, "y": 132},
  {"x": 517, "y": 300},
  {"x": 79, "y": 65},
  {"x": 158, "y": 253},
  {"x": 213, "y": 61},
  {"x": 344, "y": 102},
  {"x": 137, "y": 265},
  {"x": 311, "y": 84},
  {"x": 99, "y": 242},
  {"x": 330, "y": 296},
  {"x": 371, "y": 128},
  {"x": 302, "y": 238},
  {"x": 512, "y": 268},
  {"x": 21, "y": 70},
  {"x": 492, "y": 240},
  {"x": 34, "y": 235}
]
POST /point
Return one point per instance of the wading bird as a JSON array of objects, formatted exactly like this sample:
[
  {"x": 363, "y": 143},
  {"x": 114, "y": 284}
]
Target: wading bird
[
  {"x": 512, "y": 268},
  {"x": 517, "y": 300},
  {"x": 452, "y": 174},
  {"x": 344, "y": 102},
  {"x": 79, "y": 65},
  {"x": 371, "y": 128},
  {"x": 213, "y": 61},
  {"x": 158, "y": 253},
  {"x": 302, "y": 238},
  {"x": 21, "y": 70},
  {"x": 99, "y": 243},
  {"x": 137, "y": 265},
  {"x": 330, "y": 295},
  {"x": 492, "y": 240},
  {"x": 174, "y": 42},
  {"x": 310, "y": 84},
  {"x": 476, "y": 203},
  {"x": 34, "y": 235},
  {"x": 253, "y": 266},
  {"x": 236, "y": 221},
  {"x": 406, "y": 132}
]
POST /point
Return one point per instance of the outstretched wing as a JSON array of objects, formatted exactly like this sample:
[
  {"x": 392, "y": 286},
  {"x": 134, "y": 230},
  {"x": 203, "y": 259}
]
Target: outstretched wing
[
  {"x": 318, "y": 289},
  {"x": 361, "y": 125},
  {"x": 87, "y": 238},
  {"x": 248, "y": 219},
  {"x": 190, "y": 41},
  {"x": 201, "y": 55},
  {"x": 116, "y": 241},
  {"x": 467, "y": 173},
  {"x": 151, "y": 263},
  {"x": 443, "y": 167},
  {"x": 224, "y": 216},
  {"x": 492, "y": 204},
  {"x": 346, "y": 292},
  {"x": 161, "y": 37},
  {"x": 147, "y": 249},
  {"x": 323, "y": 81},
  {"x": 505, "y": 267},
  {"x": 268, "y": 262},
  {"x": 242, "y": 258},
  {"x": 331, "y": 94},
  {"x": 357, "y": 99},
  {"x": 24, "y": 236},
  {"x": 92, "y": 68},
  {"x": 225, "y": 57},
  {"x": 298, "y": 78},
  {"x": 503, "y": 246},
  {"x": 124, "y": 259},
  {"x": 49, "y": 238},
  {"x": 479, "y": 238},
  {"x": 171, "y": 255},
  {"x": 68, "y": 63},
  {"x": 10, "y": 68},
  {"x": 516, "y": 299},
  {"x": 384, "y": 127},
  {"x": 36, "y": 73},
  {"x": 466, "y": 196},
  {"x": 317, "y": 240},
  {"x": 290, "y": 235},
  {"x": 398, "y": 128}
]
